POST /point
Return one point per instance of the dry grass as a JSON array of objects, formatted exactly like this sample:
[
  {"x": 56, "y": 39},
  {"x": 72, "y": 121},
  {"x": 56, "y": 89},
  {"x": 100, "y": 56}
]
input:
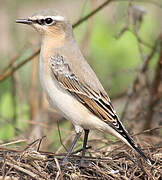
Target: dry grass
[{"x": 118, "y": 163}]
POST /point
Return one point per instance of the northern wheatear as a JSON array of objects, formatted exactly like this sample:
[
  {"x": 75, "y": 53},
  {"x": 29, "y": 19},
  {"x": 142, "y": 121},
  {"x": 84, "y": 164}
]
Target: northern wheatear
[{"x": 70, "y": 84}]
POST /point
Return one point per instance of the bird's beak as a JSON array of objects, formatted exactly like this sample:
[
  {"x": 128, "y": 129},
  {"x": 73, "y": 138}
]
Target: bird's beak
[{"x": 24, "y": 21}]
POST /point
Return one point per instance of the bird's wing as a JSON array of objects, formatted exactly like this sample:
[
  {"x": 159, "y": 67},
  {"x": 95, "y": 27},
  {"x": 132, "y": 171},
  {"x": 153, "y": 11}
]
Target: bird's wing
[{"x": 98, "y": 103}]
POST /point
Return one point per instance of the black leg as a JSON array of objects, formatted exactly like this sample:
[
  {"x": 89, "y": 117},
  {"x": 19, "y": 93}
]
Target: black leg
[
  {"x": 72, "y": 146},
  {"x": 86, "y": 132}
]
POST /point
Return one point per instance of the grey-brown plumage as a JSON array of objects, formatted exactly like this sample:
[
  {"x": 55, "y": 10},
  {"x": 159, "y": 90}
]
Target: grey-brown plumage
[{"x": 69, "y": 82}]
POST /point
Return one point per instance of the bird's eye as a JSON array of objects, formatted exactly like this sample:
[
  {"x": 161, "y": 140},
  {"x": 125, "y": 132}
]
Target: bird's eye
[{"x": 49, "y": 21}]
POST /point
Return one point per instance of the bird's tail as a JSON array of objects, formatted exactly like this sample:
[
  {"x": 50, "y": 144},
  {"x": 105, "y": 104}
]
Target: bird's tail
[
  {"x": 140, "y": 152},
  {"x": 124, "y": 136}
]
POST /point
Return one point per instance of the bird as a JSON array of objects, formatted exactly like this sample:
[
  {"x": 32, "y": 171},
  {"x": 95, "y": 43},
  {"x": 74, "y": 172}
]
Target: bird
[{"x": 70, "y": 84}]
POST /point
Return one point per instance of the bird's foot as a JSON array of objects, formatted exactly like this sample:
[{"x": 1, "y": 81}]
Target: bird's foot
[{"x": 83, "y": 163}]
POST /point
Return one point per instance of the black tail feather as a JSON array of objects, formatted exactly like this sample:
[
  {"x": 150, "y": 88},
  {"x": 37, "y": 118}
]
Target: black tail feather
[
  {"x": 130, "y": 141},
  {"x": 140, "y": 152}
]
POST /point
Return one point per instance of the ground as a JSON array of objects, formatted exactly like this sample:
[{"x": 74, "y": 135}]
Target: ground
[{"x": 107, "y": 162}]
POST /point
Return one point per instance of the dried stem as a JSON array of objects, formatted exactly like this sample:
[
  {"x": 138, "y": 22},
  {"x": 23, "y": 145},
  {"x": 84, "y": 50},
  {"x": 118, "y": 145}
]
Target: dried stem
[
  {"x": 13, "y": 60},
  {"x": 19, "y": 65},
  {"x": 155, "y": 93},
  {"x": 91, "y": 13},
  {"x": 141, "y": 71}
]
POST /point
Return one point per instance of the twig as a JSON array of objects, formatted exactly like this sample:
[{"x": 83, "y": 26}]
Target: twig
[
  {"x": 36, "y": 172},
  {"x": 59, "y": 169},
  {"x": 91, "y": 13},
  {"x": 28, "y": 172},
  {"x": 40, "y": 141},
  {"x": 150, "y": 56},
  {"x": 141, "y": 70},
  {"x": 12, "y": 60},
  {"x": 137, "y": 16},
  {"x": 143, "y": 42},
  {"x": 66, "y": 140},
  {"x": 139, "y": 44},
  {"x": 13, "y": 142},
  {"x": 19, "y": 65},
  {"x": 31, "y": 144},
  {"x": 147, "y": 131},
  {"x": 126, "y": 27},
  {"x": 155, "y": 95}
]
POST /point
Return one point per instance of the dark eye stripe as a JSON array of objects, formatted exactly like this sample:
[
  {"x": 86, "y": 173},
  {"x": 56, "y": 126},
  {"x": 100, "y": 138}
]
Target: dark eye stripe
[{"x": 40, "y": 21}]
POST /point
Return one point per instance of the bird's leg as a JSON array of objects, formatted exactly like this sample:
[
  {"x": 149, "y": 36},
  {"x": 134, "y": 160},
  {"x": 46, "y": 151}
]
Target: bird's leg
[
  {"x": 86, "y": 132},
  {"x": 72, "y": 146}
]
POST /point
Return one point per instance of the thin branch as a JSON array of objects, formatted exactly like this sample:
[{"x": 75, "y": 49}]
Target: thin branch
[
  {"x": 40, "y": 141},
  {"x": 126, "y": 27},
  {"x": 19, "y": 65},
  {"x": 155, "y": 94},
  {"x": 139, "y": 44},
  {"x": 142, "y": 70},
  {"x": 137, "y": 16},
  {"x": 13, "y": 142},
  {"x": 21, "y": 169},
  {"x": 91, "y": 13},
  {"x": 13, "y": 59},
  {"x": 147, "y": 131}
]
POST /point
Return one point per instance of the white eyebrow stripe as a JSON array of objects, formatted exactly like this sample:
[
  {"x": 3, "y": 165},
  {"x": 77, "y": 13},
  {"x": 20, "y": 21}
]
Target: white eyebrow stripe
[{"x": 57, "y": 18}]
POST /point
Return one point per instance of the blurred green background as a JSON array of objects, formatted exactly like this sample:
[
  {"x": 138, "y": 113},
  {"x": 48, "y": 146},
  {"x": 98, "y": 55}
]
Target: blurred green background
[{"x": 23, "y": 110}]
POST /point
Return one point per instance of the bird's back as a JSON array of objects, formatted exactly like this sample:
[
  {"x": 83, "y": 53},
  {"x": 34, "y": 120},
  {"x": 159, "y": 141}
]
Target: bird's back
[{"x": 80, "y": 67}]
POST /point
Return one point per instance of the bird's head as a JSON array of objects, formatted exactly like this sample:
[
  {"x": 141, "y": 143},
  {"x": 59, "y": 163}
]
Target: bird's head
[{"x": 49, "y": 23}]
